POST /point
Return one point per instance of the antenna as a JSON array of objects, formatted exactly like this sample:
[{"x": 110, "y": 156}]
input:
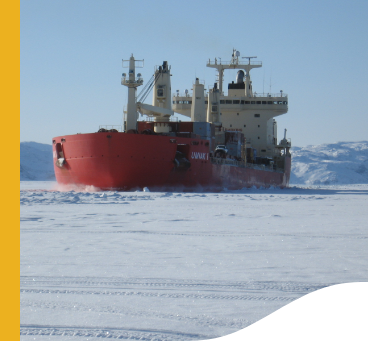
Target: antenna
[
  {"x": 249, "y": 58},
  {"x": 235, "y": 57},
  {"x": 271, "y": 82}
]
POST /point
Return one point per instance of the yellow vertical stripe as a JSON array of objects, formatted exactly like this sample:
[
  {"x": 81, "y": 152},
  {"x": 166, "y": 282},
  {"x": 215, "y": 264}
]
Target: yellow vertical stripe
[{"x": 9, "y": 165}]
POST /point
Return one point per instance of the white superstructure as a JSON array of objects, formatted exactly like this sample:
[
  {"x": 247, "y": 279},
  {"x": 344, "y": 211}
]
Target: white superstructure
[{"x": 241, "y": 109}]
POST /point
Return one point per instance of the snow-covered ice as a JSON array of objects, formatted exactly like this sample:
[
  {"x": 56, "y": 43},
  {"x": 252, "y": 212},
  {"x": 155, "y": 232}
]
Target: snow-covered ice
[{"x": 180, "y": 266}]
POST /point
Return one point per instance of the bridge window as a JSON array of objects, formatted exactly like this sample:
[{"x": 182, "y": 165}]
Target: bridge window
[
  {"x": 236, "y": 101},
  {"x": 222, "y": 101},
  {"x": 205, "y": 102},
  {"x": 264, "y": 102},
  {"x": 247, "y": 102},
  {"x": 269, "y": 102},
  {"x": 257, "y": 115},
  {"x": 252, "y": 102},
  {"x": 242, "y": 101},
  {"x": 259, "y": 102},
  {"x": 228, "y": 101},
  {"x": 285, "y": 102}
]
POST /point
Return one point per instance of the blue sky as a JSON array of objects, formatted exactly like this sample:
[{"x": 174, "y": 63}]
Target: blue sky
[{"x": 315, "y": 51}]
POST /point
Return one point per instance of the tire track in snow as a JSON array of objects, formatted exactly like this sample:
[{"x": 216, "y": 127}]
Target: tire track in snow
[
  {"x": 160, "y": 295},
  {"x": 201, "y": 320},
  {"x": 107, "y": 332},
  {"x": 190, "y": 234},
  {"x": 105, "y": 282}
]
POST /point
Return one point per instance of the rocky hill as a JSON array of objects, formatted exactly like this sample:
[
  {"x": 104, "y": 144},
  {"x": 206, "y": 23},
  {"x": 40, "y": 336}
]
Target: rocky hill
[
  {"x": 36, "y": 162},
  {"x": 336, "y": 163}
]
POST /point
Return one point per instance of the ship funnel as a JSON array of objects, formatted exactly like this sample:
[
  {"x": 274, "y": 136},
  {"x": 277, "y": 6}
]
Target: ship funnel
[
  {"x": 213, "y": 108},
  {"x": 198, "y": 110},
  {"x": 162, "y": 87},
  {"x": 240, "y": 77}
]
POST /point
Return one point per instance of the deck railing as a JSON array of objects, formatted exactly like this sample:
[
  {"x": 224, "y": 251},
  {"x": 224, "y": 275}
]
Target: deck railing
[
  {"x": 222, "y": 62},
  {"x": 109, "y": 127},
  {"x": 255, "y": 95},
  {"x": 242, "y": 164}
]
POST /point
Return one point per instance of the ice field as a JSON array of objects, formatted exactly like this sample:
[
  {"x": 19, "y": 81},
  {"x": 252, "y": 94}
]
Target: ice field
[{"x": 180, "y": 266}]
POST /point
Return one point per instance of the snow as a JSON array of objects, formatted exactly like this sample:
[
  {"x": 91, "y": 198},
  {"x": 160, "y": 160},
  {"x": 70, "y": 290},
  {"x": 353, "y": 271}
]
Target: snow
[
  {"x": 186, "y": 266},
  {"x": 337, "y": 163},
  {"x": 181, "y": 266},
  {"x": 36, "y": 161}
]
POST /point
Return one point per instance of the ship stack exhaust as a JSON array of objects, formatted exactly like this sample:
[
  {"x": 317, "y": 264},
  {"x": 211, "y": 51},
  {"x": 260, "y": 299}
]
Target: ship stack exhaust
[
  {"x": 198, "y": 111},
  {"x": 213, "y": 108}
]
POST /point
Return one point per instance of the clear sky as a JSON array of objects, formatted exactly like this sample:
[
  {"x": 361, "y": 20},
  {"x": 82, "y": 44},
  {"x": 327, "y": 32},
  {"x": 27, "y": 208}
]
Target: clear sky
[{"x": 315, "y": 51}]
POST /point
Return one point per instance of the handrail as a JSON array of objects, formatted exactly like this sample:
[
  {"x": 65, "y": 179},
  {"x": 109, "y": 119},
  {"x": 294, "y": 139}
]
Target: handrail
[
  {"x": 201, "y": 81},
  {"x": 136, "y": 81},
  {"x": 178, "y": 94},
  {"x": 109, "y": 126},
  {"x": 255, "y": 95},
  {"x": 242, "y": 164},
  {"x": 226, "y": 63},
  {"x": 278, "y": 94}
]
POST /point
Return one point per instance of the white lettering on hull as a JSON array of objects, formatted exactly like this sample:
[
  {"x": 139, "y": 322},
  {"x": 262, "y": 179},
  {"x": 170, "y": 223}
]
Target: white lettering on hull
[{"x": 200, "y": 156}]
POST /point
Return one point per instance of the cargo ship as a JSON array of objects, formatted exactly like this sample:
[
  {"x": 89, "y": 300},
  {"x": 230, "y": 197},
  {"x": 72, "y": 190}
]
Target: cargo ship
[{"x": 230, "y": 141}]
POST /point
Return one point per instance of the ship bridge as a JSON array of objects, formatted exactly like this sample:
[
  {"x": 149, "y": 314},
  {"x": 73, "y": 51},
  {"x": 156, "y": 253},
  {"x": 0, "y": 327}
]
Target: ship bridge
[
  {"x": 241, "y": 109},
  {"x": 276, "y": 102}
]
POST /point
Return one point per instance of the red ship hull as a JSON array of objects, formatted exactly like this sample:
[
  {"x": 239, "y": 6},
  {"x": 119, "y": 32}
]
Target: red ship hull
[{"x": 127, "y": 161}]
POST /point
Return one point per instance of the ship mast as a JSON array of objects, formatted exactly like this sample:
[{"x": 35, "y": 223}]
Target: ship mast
[
  {"x": 233, "y": 64},
  {"x": 132, "y": 83}
]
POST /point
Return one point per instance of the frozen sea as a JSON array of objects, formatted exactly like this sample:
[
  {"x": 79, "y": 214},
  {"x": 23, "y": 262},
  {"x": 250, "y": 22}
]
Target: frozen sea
[{"x": 180, "y": 266}]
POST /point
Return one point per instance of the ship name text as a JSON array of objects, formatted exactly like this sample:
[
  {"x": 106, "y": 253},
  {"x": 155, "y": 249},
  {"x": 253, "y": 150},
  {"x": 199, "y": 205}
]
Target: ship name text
[{"x": 200, "y": 156}]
